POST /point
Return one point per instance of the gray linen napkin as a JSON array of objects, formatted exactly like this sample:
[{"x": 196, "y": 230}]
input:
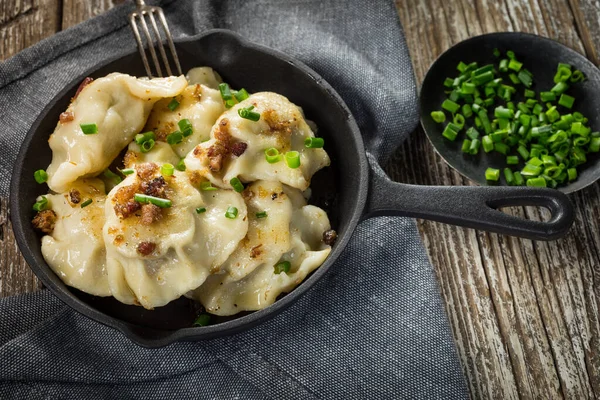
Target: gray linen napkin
[{"x": 373, "y": 327}]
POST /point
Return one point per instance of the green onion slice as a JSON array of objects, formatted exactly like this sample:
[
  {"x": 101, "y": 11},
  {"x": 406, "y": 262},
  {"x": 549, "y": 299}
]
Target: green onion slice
[
  {"x": 175, "y": 137},
  {"x": 202, "y": 320},
  {"x": 180, "y": 165},
  {"x": 41, "y": 204},
  {"x": 200, "y": 210},
  {"x": 140, "y": 138},
  {"x": 86, "y": 203},
  {"x": 247, "y": 113},
  {"x": 237, "y": 185},
  {"x": 231, "y": 212},
  {"x": 261, "y": 214},
  {"x": 283, "y": 266},
  {"x": 89, "y": 129},
  {"x": 40, "y": 176},
  {"x": 292, "y": 159},
  {"x": 314, "y": 142},
  {"x": 167, "y": 169},
  {"x": 241, "y": 95},
  {"x": 225, "y": 91},
  {"x": 272, "y": 155},
  {"x": 185, "y": 127},
  {"x": 207, "y": 186},
  {"x": 157, "y": 201},
  {"x": 173, "y": 104},
  {"x": 127, "y": 171},
  {"x": 147, "y": 145}
]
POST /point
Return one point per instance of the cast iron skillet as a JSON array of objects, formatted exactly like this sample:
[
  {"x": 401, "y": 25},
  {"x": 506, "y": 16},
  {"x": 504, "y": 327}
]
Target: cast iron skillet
[
  {"x": 540, "y": 56},
  {"x": 349, "y": 190}
]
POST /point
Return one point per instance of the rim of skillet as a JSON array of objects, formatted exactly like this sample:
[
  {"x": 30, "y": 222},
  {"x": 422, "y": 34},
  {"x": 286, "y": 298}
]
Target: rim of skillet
[
  {"x": 43, "y": 271},
  {"x": 479, "y": 37}
]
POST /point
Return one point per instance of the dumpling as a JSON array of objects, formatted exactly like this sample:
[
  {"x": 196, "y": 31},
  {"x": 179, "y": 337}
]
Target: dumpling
[
  {"x": 119, "y": 105},
  {"x": 155, "y": 255},
  {"x": 205, "y": 76},
  {"x": 237, "y": 146},
  {"x": 292, "y": 231},
  {"x": 75, "y": 249},
  {"x": 198, "y": 103}
]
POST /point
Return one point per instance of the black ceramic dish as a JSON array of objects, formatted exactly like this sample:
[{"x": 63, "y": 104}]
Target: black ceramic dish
[
  {"x": 346, "y": 190},
  {"x": 540, "y": 56}
]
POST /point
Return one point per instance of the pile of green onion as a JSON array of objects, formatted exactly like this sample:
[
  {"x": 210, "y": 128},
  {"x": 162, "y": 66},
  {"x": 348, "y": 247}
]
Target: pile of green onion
[{"x": 543, "y": 141}]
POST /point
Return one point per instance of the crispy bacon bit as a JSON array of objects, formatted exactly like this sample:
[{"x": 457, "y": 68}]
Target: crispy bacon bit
[
  {"x": 44, "y": 221},
  {"x": 65, "y": 117},
  {"x": 198, "y": 151},
  {"x": 248, "y": 194},
  {"x": 83, "y": 84},
  {"x": 329, "y": 237},
  {"x": 146, "y": 170},
  {"x": 155, "y": 187},
  {"x": 74, "y": 196},
  {"x": 145, "y": 248},
  {"x": 237, "y": 149},
  {"x": 150, "y": 213},
  {"x": 216, "y": 163},
  {"x": 129, "y": 159},
  {"x": 256, "y": 251},
  {"x": 124, "y": 203}
]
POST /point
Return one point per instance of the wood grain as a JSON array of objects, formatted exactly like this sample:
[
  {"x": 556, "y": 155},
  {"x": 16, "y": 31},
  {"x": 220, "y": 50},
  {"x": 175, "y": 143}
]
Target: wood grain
[{"x": 525, "y": 315}]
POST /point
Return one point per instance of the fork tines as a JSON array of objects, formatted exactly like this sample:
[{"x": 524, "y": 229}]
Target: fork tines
[{"x": 154, "y": 39}]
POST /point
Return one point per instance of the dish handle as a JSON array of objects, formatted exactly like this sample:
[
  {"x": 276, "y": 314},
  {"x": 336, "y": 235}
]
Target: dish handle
[{"x": 470, "y": 206}]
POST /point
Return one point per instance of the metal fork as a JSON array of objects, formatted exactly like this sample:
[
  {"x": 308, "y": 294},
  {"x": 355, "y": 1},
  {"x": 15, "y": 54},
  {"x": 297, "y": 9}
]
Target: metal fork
[{"x": 142, "y": 12}]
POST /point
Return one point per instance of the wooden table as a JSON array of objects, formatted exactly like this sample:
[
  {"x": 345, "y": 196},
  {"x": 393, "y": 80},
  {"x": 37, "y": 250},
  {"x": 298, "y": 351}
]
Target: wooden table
[{"x": 525, "y": 315}]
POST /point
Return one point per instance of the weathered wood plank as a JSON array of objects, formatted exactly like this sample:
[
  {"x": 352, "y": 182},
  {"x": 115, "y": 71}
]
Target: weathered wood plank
[
  {"x": 544, "y": 295},
  {"x": 76, "y": 11}
]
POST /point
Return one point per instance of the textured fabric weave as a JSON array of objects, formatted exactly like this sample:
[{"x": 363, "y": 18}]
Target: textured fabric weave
[{"x": 373, "y": 327}]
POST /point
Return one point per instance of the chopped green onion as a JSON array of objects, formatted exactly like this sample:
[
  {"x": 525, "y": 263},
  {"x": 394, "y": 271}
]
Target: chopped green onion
[
  {"x": 514, "y": 78},
  {"x": 207, "y": 186},
  {"x": 89, "y": 129},
  {"x": 448, "y": 82},
  {"x": 175, "y": 137},
  {"x": 438, "y": 116},
  {"x": 292, "y": 159},
  {"x": 261, "y": 214},
  {"x": 108, "y": 174},
  {"x": 483, "y": 78},
  {"x": 508, "y": 175},
  {"x": 566, "y": 100},
  {"x": 247, "y": 113},
  {"x": 466, "y": 146},
  {"x": 157, "y": 201},
  {"x": 547, "y": 96},
  {"x": 503, "y": 66},
  {"x": 472, "y": 133},
  {"x": 225, "y": 91},
  {"x": 466, "y": 110},
  {"x": 563, "y": 73},
  {"x": 40, "y": 176},
  {"x": 314, "y": 143},
  {"x": 525, "y": 78},
  {"x": 147, "y": 146},
  {"x": 488, "y": 144},
  {"x": 241, "y": 95},
  {"x": 529, "y": 93},
  {"x": 41, "y": 204},
  {"x": 523, "y": 152},
  {"x": 501, "y": 112},
  {"x": 572, "y": 174},
  {"x": 140, "y": 138},
  {"x": 86, "y": 203},
  {"x": 173, "y": 104},
  {"x": 492, "y": 174},
  {"x": 594, "y": 145},
  {"x": 577, "y": 76},
  {"x": 180, "y": 165},
  {"x": 237, "y": 185},
  {"x": 283, "y": 266},
  {"x": 468, "y": 88},
  {"x": 515, "y": 65},
  {"x": 231, "y": 212},
  {"x": 559, "y": 88},
  {"x": 127, "y": 171},
  {"x": 510, "y": 54},
  {"x": 501, "y": 148},
  {"x": 451, "y": 106},
  {"x": 200, "y": 210},
  {"x": 459, "y": 120},
  {"x": 512, "y": 160},
  {"x": 167, "y": 169},
  {"x": 272, "y": 155},
  {"x": 531, "y": 170},
  {"x": 185, "y": 126},
  {"x": 202, "y": 320},
  {"x": 536, "y": 182},
  {"x": 496, "y": 53},
  {"x": 518, "y": 178},
  {"x": 229, "y": 103},
  {"x": 474, "y": 148}
]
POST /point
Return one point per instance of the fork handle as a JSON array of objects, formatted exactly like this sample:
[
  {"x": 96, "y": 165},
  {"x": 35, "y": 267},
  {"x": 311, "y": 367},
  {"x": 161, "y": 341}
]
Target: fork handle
[{"x": 140, "y": 3}]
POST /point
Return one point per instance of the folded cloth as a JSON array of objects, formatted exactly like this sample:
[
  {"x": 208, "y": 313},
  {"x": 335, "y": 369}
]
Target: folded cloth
[{"x": 373, "y": 327}]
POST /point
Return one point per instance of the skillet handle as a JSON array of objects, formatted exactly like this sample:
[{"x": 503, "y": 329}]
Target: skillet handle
[{"x": 470, "y": 206}]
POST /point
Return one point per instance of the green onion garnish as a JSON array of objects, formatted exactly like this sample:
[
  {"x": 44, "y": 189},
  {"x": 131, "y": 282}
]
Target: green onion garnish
[
  {"x": 566, "y": 100},
  {"x": 40, "y": 176},
  {"x": 157, "y": 201},
  {"x": 231, "y": 213},
  {"x": 247, "y": 113},
  {"x": 292, "y": 159},
  {"x": 127, "y": 171},
  {"x": 175, "y": 137},
  {"x": 202, "y": 320},
  {"x": 536, "y": 182},
  {"x": 492, "y": 174},
  {"x": 167, "y": 169},
  {"x": 173, "y": 104},
  {"x": 41, "y": 204},
  {"x": 180, "y": 165},
  {"x": 261, "y": 214},
  {"x": 108, "y": 174},
  {"x": 89, "y": 129},
  {"x": 283, "y": 266},
  {"x": 577, "y": 76},
  {"x": 142, "y": 137},
  {"x": 229, "y": 103},
  {"x": 272, "y": 155},
  {"x": 314, "y": 142},
  {"x": 207, "y": 186},
  {"x": 147, "y": 145},
  {"x": 86, "y": 203},
  {"x": 185, "y": 126},
  {"x": 225, "y": 91},
  {"x": 236, "y": 184},
  {"x": 241, "y": 95},
  {"x": 200, "y": 210}
]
